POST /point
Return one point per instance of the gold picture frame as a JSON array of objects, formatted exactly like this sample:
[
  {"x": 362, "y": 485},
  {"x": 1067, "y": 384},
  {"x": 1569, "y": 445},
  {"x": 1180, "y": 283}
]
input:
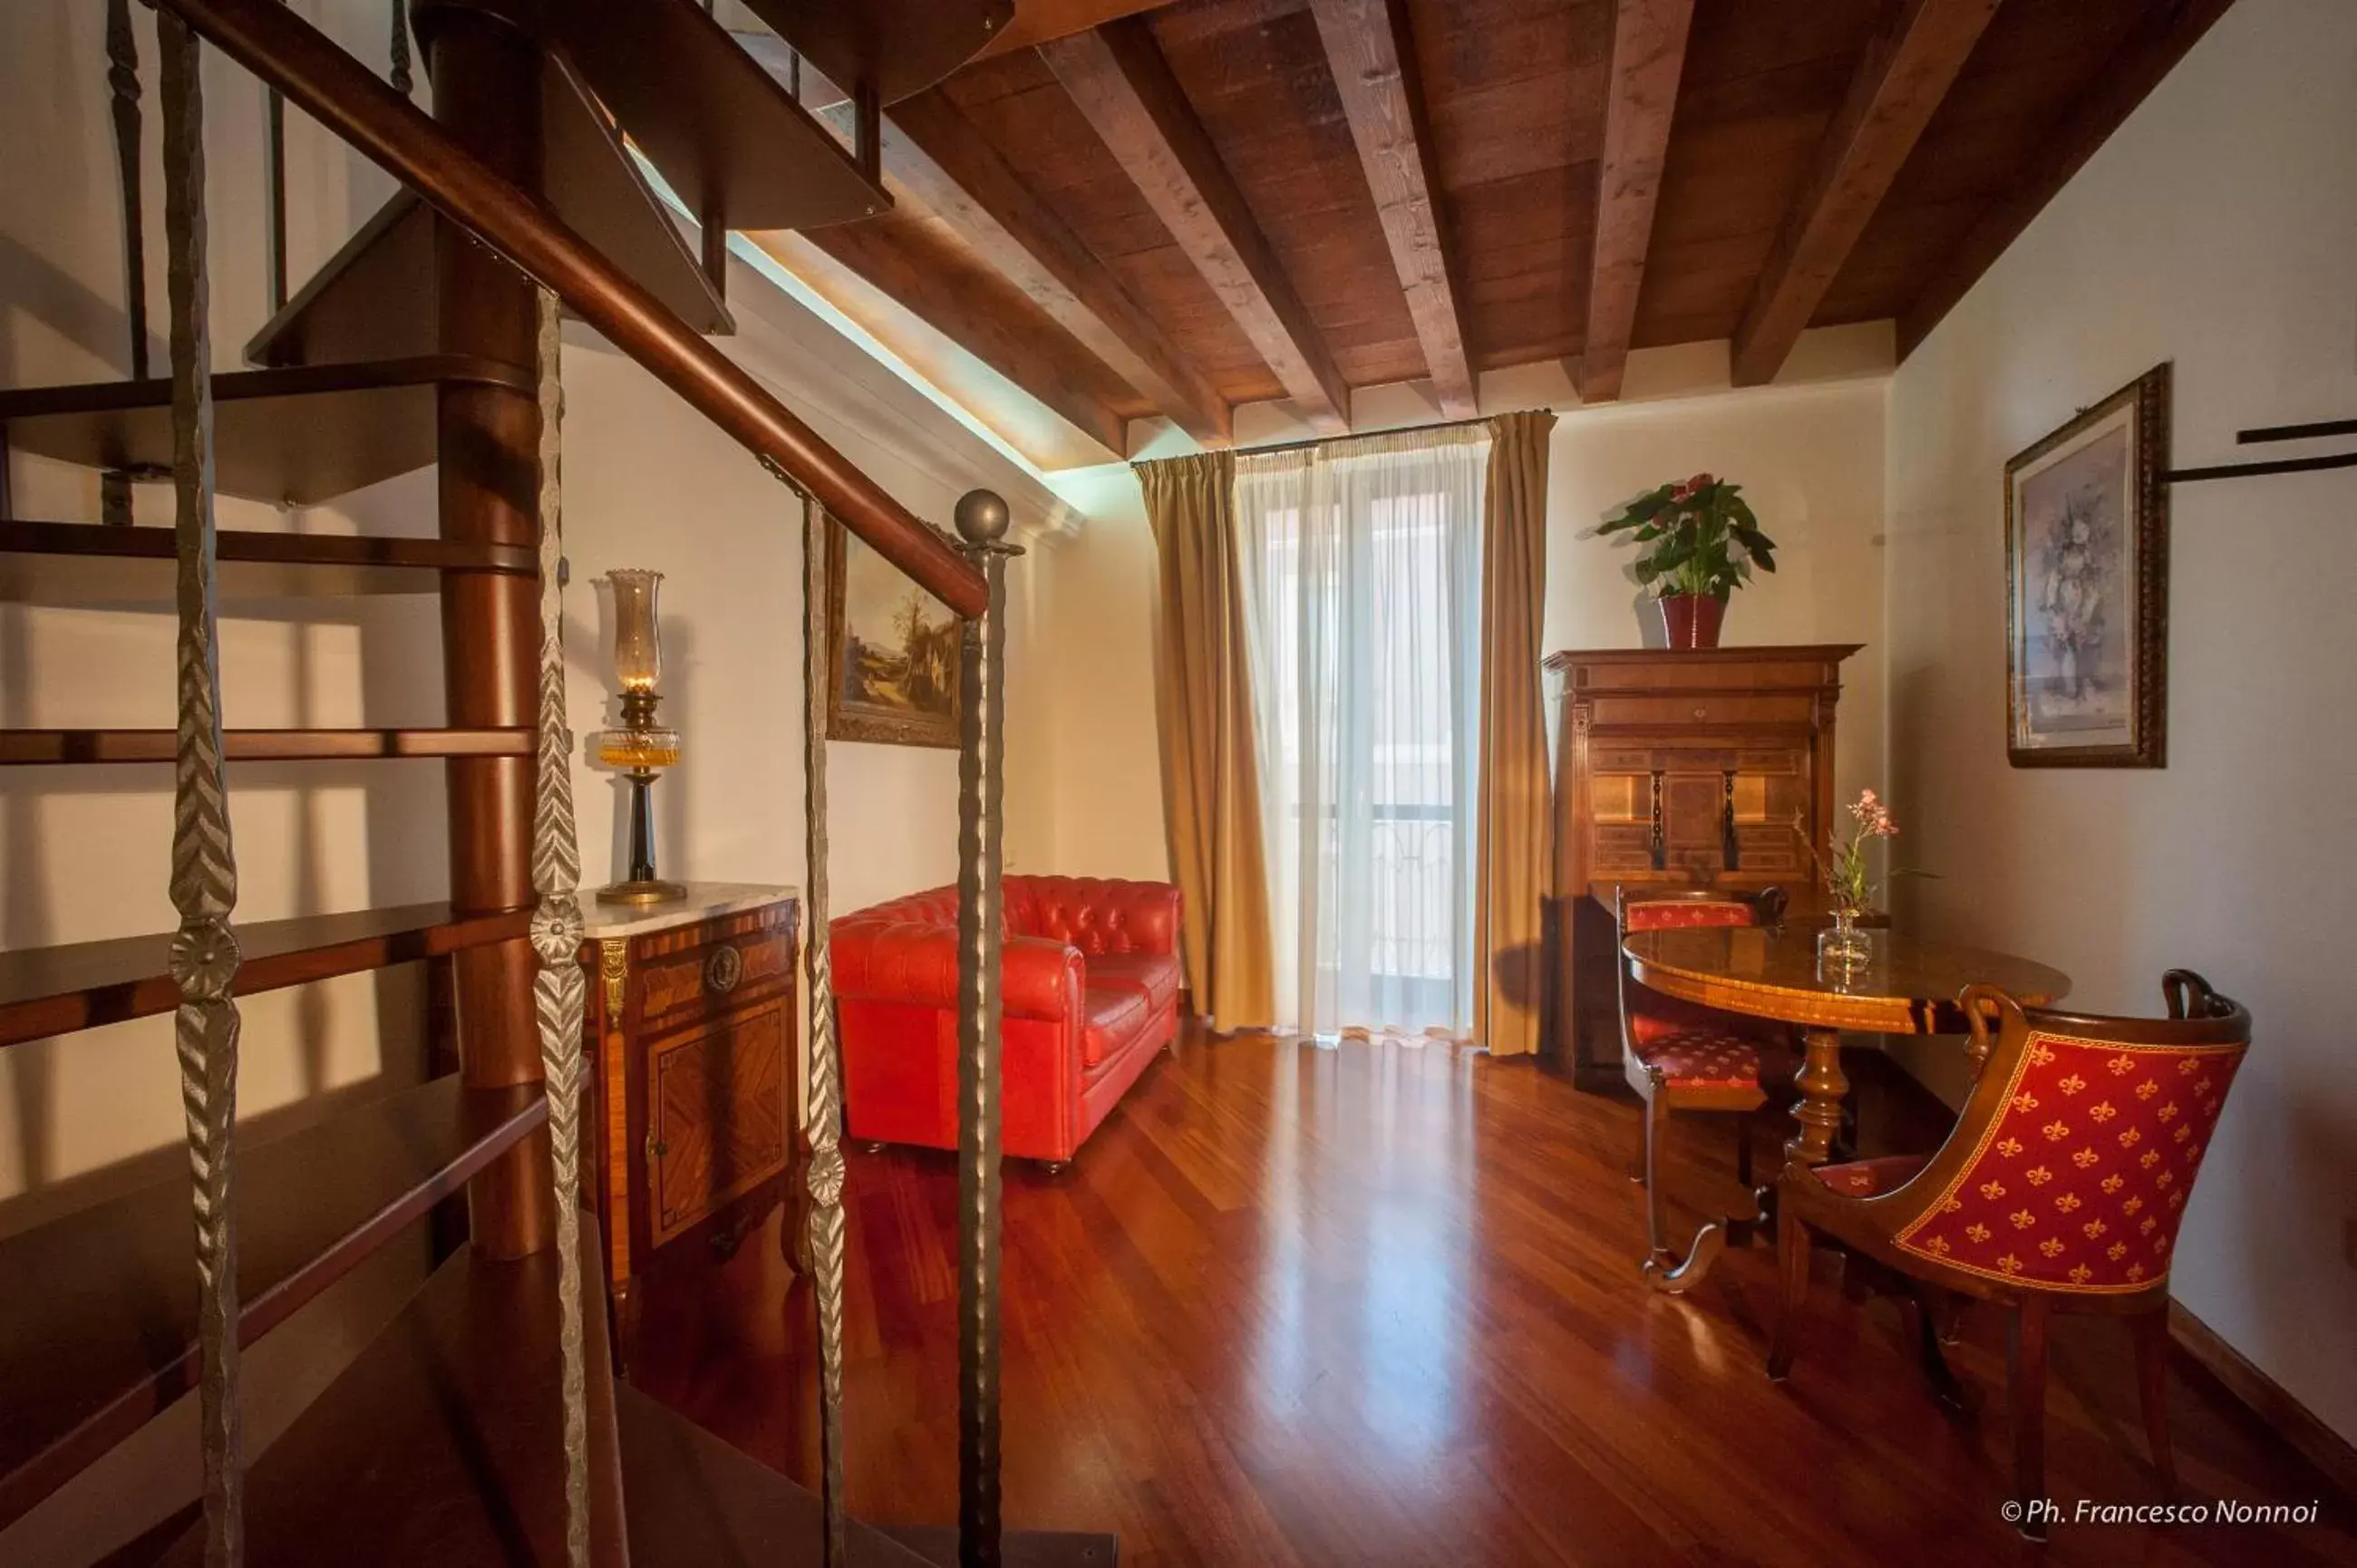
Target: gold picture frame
[
  {"x": 2086, "y": 586},
  {"x": 892, "y": 651}
]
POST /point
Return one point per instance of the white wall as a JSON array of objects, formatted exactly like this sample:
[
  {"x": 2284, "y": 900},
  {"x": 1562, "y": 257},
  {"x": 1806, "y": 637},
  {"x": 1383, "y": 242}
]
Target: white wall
[
  {"x": 1808, "y": 451},
  {"x": 84, "y": 852},
  {"x": 2215, "y": 230}
]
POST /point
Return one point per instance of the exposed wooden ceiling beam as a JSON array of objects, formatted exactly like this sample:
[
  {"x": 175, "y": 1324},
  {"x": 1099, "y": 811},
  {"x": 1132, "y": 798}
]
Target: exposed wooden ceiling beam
[
  {"x": 966, "y": 306},
  {"x": 1906, "y": 72},
  {"x": 1121, "y": 82},
  {"x": 2149, "y": 54},
  {"x": 941, "y": 163},
  {"x": 938, "y": 167},
  {"x": 1044, "y": 21},
  {"x": 1373, "y": 57},
  {"x": 1648, "y": 54}
]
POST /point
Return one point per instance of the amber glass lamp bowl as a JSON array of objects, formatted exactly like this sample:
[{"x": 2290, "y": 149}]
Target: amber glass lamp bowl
[{"x": 640, "y": 748}]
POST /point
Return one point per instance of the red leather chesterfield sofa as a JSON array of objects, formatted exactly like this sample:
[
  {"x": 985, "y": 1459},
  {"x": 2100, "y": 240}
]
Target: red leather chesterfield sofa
[{"x": 1090, "y": 994}]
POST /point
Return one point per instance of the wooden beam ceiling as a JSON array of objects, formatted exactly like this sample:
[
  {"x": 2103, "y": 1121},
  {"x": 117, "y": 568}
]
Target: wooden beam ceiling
[
  {"x": 1123, "y": 85},
  {"x": 1648, "y": 52},
  {"x": 1044, "y": 21},
  {"x": 2150, "y": 53},
  {"x": 1906, "y": 72},
  {"x": 940, "y": 162},
  {"x": 1373, "y": 57},
  {"x": 970, "y": 308}
]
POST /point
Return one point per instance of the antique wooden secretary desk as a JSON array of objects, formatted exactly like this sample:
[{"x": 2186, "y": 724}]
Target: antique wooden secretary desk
[{"x": 1683, "y": 767}]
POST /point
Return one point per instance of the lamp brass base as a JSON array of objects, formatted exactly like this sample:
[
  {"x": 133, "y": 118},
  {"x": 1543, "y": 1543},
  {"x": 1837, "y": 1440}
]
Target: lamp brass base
[{"x": 644, "y": 891}]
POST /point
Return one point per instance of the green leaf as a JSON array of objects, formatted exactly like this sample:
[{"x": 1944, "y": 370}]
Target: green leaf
[{"x": 1647, "y": 571}]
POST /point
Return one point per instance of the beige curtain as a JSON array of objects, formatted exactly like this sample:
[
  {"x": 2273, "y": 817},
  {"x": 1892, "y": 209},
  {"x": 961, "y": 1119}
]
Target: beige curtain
[
  {"x": 1210, "y": 785},
  {"x": 1512, "y": 840}
]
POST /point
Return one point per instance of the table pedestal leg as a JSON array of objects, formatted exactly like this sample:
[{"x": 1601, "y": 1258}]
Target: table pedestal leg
[{"x": 1818, "y": 1110}]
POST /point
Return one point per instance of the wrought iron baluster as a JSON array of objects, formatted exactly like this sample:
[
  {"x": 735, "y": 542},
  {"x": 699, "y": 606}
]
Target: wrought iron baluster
[
  {"x": 559, "y": 989},
  {"x": 122, "y": 91},
  {"x": 981, "y": 521},
  {"x": 404, "y": 81},
  {"x": 204, "y": 865},
  {"x": 824, "y": 1176}
]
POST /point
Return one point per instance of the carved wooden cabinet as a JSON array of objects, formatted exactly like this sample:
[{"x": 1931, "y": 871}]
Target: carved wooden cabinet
[
  {"x": 689, "y": 1131},
  {"x": 1679, "y": 767}
]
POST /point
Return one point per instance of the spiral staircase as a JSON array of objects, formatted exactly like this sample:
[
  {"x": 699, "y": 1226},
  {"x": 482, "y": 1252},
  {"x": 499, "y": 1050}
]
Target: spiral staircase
[{"x": 483, "y": 1424}]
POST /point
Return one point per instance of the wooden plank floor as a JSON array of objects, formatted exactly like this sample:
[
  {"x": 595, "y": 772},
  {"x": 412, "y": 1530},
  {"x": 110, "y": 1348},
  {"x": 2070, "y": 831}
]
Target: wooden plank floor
[{"x": 1380, "y": 1304}]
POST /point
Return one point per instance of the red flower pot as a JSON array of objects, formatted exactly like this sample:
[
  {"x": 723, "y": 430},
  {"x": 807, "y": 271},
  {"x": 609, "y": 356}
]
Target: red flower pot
[{"x": 1691, "y": 620}]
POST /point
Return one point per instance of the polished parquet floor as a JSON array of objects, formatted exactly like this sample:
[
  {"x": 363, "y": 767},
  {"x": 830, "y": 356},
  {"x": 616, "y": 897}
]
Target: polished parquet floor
[{"x": 1379, "y": 1304}]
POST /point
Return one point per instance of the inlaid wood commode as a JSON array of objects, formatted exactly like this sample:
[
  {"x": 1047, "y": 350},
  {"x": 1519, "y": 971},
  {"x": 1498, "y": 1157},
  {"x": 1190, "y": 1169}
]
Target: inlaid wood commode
[
  {"x": 689, "y": 1125},
  {"x": 1676, "y": 768}
]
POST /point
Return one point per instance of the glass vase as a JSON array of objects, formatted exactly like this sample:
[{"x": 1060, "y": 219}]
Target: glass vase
[{"x": 1845, "y": 947}]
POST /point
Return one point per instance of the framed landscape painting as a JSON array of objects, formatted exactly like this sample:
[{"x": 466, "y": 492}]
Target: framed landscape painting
[
  {"x": 2086, "y": 558},
  {"x": 893, "y": 664}
]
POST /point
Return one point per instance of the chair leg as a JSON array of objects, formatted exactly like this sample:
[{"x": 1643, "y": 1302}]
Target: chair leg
[
  {"x": 2027, "y": 1398},
  {"x": 1923, "y": 1306},
  {"x": 1664, "y": 1270},
  {"x": 1793, "y": 1269},
  {"x": 2151, "y": 1330}
]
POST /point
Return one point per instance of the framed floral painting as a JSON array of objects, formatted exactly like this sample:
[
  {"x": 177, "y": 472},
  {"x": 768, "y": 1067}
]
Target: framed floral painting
[
  {"x": 2086, "y": 558},
  {"x": 894, "y": 654}
]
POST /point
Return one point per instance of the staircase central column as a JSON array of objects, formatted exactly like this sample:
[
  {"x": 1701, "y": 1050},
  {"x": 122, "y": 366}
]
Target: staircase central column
[{"x": 486, "y": 77}]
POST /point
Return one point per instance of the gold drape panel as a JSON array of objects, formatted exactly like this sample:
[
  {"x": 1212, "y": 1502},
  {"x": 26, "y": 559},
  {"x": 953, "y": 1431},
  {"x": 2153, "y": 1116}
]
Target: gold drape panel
[
  {"x": 1211, "y": 783},
  {"x": 1511, "y": 872}
]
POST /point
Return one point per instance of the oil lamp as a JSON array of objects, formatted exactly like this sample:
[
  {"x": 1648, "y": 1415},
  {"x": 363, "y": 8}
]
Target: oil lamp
[{"x": 640, "y": 748}]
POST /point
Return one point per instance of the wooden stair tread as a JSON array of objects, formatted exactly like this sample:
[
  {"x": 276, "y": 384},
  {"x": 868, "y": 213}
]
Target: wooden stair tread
[
  {"x": 901, "y": 46},
  {"x": 54, "y": 746},
  {"x": 97, "y": 1332},
  {"x": 376, "y": 299},
  {"x": 81, "y": 562},
  {"x": 711, "y": 119},
  {"x": 695, "y": 1502},
  {"x": 79, "y": 986},
  {"x": 300, "y": 434},
  {"x": 442, "y": 1446}
]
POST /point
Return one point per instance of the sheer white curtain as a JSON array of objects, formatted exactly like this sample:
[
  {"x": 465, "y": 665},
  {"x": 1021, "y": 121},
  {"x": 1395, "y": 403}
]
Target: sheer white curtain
[{"x": 1361, "y": 568}]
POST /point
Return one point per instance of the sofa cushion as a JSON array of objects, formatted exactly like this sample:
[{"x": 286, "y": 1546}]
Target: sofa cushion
[
  {"x": 1155, "y": 975},
  {"x": 1116, "y": 1015}
]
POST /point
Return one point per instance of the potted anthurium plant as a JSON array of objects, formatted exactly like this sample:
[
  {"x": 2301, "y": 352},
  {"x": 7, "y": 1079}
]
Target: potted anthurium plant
[{"x": 1697, "y": 543}]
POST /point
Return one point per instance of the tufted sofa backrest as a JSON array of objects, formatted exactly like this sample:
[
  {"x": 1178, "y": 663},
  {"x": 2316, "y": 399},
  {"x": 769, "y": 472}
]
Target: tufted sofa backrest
[{"x": 1096, "y": 915}]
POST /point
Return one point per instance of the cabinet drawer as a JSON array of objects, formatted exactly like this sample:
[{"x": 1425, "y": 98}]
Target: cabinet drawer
[
  {"x": 1718, "y": 709},
  {"x": 717, "y": 1113},
  {"x": 694, "y": 978}
]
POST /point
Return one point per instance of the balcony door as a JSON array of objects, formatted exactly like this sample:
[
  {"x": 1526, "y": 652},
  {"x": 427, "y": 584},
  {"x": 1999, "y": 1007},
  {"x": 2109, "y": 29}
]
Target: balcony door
[{"x": 1360, "y": 563}]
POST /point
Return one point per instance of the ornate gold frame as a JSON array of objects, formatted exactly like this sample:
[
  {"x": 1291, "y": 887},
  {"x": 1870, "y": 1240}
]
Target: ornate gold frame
[
  {"x": 2149, "y": 636},
  {"x": 847, "y": 721}
]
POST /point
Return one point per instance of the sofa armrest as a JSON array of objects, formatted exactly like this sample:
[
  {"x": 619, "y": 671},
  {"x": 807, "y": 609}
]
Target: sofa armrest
[{"x": 914, "y": 962}]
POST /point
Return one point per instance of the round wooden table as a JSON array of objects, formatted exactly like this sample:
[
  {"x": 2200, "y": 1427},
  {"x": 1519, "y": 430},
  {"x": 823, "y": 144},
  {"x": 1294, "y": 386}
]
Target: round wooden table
[{"x": 1907, "y": 988}]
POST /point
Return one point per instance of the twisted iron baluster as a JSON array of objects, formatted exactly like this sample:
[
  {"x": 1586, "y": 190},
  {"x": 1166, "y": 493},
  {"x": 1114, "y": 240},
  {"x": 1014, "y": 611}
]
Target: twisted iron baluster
[
  {"x": 558, "y": 991},
  {"x": 403, "y": 81},
  {"x": 981, "y": 521},
  {"x": 123, "y": 84},
  {"x": 826, "y": 1173},
  {"x": 204, "y": 864}
]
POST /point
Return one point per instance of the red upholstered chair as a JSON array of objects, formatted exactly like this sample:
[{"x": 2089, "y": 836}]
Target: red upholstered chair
[
  {"x": 1090, "y": 993},
  {"x": 1678, "y": 1057},
  {"x": 2060, "y": 1188}
]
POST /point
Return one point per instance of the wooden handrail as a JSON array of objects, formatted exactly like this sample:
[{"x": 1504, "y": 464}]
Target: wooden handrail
[{"x": 289, "y": 54}]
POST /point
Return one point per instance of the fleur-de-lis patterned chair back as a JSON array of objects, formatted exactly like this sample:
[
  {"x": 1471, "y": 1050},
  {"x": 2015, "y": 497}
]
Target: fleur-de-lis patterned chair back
[
  {"x": 2085, "y": 1135},
  {"x": 2061, "y": 1188},
  {"x": 1680, "y": 1055}
]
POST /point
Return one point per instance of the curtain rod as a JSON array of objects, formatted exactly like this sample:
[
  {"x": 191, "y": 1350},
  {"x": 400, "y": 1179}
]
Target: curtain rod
[{"x": 1316, "y": 441}]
